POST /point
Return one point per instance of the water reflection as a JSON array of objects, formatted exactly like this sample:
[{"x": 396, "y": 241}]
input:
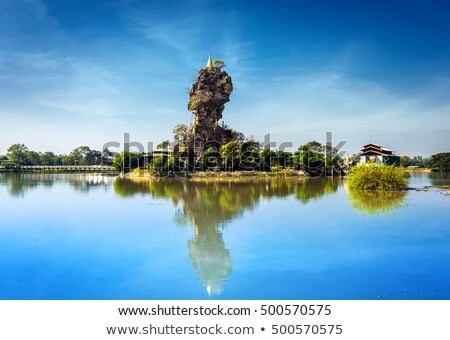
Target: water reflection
[
  {"x": 316, "y": 188},
  {"x": 17, "y": 184},
  {"x": 209, "y": 204},
  {"x": 374, "y": 202},
  {"x": 439, "y": 178},
  {"x": 208, "y": 259}
]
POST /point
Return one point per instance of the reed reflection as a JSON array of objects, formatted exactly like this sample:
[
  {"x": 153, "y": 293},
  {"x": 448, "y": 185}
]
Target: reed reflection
[{"x": 374, "y": 202}]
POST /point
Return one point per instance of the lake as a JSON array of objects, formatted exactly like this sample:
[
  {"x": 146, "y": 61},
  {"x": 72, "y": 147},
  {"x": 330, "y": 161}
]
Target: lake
[{"x": 99, "y": 237}]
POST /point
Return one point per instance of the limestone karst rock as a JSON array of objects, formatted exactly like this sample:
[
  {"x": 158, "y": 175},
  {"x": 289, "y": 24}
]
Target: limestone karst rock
[{"x": 208, "y": 96}]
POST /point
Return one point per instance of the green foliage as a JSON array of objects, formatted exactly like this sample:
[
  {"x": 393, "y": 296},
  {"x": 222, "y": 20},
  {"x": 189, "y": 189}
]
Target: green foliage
[
  {"x": 405, "y": 161},
  {"x": 126, "y": 161},
  {"x": 82, "y": 155},
  {"x": 164, "y": 145},
  {"x": 160, "y": 165},
  {"x": 181, "y": 134},
  {"x": 48, "y": 158},
  {"x": 8, "y": 165},
  {"x": 211, "y": 159},
  {"x": 419, "y": 161},
  {"x": 313, "y": 157},
  {"x": 250, "y": 155},
  {"x": 232, "y": 135},
  {"x": 440, "y": 161},
  {"x": 164, "y": 165},
  {"x": 32, "y": 158},
  {"x": 17, "y": 154},
  {"x": 282, "y": 158},
  {"x": 219, "y": 63},
  {"x": 193, "y": 103},
  {"x": 376, "y": 176},
  {"x": 231, "y": 155}
]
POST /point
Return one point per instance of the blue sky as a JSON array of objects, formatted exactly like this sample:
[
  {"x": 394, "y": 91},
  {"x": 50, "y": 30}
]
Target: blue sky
[{"x": 84, "y": 72}]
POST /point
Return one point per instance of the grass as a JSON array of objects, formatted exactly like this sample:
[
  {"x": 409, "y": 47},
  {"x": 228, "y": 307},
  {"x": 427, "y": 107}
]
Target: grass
[{"x": 376, "y": 177}]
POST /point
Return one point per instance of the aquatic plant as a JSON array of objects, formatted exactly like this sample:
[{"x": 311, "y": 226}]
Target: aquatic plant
[{"x": 376, "y": 176}]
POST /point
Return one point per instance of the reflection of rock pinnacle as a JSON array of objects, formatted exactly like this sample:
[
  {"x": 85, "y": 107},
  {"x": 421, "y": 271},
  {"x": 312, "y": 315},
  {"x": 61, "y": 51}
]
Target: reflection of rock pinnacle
[{"x": 210, "y": 258}]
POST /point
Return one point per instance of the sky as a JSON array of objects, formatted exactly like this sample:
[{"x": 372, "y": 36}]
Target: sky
[{"x": 85, "y": 72}]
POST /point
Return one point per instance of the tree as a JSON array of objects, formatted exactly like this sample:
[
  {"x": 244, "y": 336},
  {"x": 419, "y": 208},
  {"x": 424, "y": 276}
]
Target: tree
[
  {"x": 93, "y": 157},
  {"x": 310, "y": 157},
  {"x": 421, "y": 162},
  {"x": 164, "y": 145},
  {"x": 160, "y": 164},
  {"x": 58, "y": 160},
  {"x": 77, "y": 155},
  {"x": 181, "y": 133},
  {"x": 219, "y": 63},
  {"x": 250, "y": 155},
  {"x": 211, "y": 158},
  {"x": 229, "y": 134},
  {"x": 83, "y": 155},
  {"x": 266, "y": 159},
  {"x": 231, "y": 153},
  {"x": 68, "y": 160},
  {"x": 48, "y": 158},
  {"x": 33, "y": 158},
  {"x": 17, "y": 154},
  {"x": 440, "y": 161},
  {"x": 282, "y": 159},
  {"x": 107, "y": 157},
  {"x": 126, "y": 161},
  {"x": 405, "y": 161},
  {"x": 315, "y": 158}
]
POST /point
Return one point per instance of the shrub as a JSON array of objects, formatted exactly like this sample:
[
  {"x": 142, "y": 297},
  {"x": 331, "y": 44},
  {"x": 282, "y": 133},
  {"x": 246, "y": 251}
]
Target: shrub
[
  {"x": 376, "y": 176},
  {"x": 440, "y": 161}
]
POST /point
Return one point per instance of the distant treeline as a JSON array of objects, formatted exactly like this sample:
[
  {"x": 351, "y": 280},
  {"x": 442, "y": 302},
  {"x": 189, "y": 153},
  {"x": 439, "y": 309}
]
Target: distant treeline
[
  {"x": 312, "y": 157},
  {"x": 20, "y": 155}
]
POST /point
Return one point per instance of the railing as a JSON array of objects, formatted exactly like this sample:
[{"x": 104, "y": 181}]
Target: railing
[{"x": 99, "y": 168}]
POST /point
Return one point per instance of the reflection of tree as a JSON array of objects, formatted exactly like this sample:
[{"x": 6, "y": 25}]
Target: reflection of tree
[
  {"x": 374, "y": 202},
  {"x": 127, "y": 188},
  {"x": 439, "y": 178},
  {"x": 209, "y": 203},
  {"x": 18, "y": 184},
  {"x": 316, "y": 188}
]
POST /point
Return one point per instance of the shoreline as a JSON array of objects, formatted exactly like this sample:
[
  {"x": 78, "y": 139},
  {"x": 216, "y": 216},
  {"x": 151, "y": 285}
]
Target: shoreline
[
  {"x": 419, "y": 170},
  {"x": 143, "y": 174}
]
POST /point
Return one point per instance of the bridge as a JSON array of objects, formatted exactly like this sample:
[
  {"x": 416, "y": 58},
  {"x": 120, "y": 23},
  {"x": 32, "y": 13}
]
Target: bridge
[{"x": 62, "y": 168}]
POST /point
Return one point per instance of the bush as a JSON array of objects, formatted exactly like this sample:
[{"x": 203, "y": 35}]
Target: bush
[
  {"x": 376, "y": 176},
  {"x": 440, "y": 161},
  {"x": 405, "y": 161}
]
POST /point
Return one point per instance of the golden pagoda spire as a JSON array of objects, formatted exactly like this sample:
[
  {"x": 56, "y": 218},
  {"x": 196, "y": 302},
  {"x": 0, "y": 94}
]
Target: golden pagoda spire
[{"x": 210, "y": 63}]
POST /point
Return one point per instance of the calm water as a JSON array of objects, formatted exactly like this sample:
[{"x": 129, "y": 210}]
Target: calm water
[{"x": 95, "y": 237}]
